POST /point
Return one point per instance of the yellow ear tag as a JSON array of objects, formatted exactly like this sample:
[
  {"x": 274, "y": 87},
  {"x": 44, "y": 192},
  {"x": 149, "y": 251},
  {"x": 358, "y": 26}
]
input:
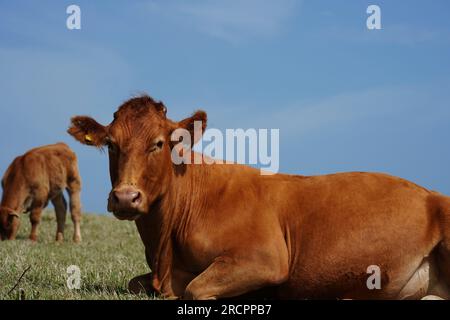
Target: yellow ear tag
[{"x": 87, "y": 138}]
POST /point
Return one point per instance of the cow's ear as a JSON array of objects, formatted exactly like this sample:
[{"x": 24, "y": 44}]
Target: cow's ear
[
  {"x": 196, "y": 125},
  {"x": 88, "y": 131}
]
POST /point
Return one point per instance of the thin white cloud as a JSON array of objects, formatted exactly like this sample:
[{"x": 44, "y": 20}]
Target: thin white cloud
[
  {"x": 399, "y": 34},
  {"x": 419, "y": 103},
  {"x": 231, "y": 20}
]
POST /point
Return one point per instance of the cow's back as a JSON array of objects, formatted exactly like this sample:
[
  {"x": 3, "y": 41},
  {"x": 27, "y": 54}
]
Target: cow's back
[{"x": 47, "y": 167}]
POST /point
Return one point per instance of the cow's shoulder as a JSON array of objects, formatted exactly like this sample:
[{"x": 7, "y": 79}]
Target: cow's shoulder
[{"x": 13, "y": 168}]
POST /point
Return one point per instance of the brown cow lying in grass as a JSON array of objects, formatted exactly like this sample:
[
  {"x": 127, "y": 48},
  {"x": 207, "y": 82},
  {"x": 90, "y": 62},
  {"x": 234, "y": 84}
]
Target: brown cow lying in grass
[
  {"x": 32, "y": 180},
  {"x": 224, "y": 230}
]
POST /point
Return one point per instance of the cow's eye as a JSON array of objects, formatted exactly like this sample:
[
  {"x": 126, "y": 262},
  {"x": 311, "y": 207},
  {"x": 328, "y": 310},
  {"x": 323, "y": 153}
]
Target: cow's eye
[{"x": 157, "y": 146}]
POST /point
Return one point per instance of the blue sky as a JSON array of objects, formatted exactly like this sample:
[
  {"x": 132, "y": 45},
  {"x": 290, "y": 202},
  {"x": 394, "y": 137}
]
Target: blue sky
[{"x": 344, "y": 98}]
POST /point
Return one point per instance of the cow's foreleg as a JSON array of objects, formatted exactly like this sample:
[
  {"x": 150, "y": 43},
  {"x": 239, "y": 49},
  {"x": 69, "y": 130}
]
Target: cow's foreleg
[
  {"x": 14, "y": 223},
  {"x": 35, "y": 219},
  {"x": 228, "y": 277},
  {"x": 60, "y": 205},
  {"x": 75, "y": 207}
]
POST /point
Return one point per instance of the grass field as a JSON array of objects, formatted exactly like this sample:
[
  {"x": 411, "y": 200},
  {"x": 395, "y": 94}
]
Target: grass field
[{"x": 110, "y": 254}]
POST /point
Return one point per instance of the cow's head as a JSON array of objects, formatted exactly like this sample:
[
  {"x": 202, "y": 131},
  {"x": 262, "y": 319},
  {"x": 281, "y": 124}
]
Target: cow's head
[
  {"x": 13, "y": 192},
  {"x": 9, "y": 223},
  {"x": 139, "y": 146}
]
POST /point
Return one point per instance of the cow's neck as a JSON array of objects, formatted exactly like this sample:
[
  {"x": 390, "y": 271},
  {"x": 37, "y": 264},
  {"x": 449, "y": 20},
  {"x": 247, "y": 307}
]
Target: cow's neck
[
  {"x": 170, "y": 218},
  {"x": 185, "y": 200}
]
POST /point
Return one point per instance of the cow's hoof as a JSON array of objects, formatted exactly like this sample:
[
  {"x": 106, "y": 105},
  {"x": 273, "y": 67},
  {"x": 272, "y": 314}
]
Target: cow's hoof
[
  {"x": 59, "y": 237},
  {"x": 77, "y": 239},
  {"x": 33, "y": 238}
]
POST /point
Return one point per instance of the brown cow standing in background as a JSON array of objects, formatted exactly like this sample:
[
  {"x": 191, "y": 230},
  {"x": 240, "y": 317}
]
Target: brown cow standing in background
[
  {"x": 35, "y": 178},
  {"x": 224, "y": 230}
]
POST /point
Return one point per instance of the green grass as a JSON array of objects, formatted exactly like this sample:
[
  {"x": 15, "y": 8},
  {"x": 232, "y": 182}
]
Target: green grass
[{"x": 110, "y": 254}]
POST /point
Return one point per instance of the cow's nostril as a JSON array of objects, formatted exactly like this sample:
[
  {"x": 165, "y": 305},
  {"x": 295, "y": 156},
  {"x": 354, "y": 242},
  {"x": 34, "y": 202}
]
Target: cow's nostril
[{"x": 136, "y": 198}]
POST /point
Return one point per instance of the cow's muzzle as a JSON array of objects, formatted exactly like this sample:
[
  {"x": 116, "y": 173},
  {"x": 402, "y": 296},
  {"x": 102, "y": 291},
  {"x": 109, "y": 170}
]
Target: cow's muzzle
[
  {"x": 125, "y": 202},
  {"x": 8, "y": 226}
]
